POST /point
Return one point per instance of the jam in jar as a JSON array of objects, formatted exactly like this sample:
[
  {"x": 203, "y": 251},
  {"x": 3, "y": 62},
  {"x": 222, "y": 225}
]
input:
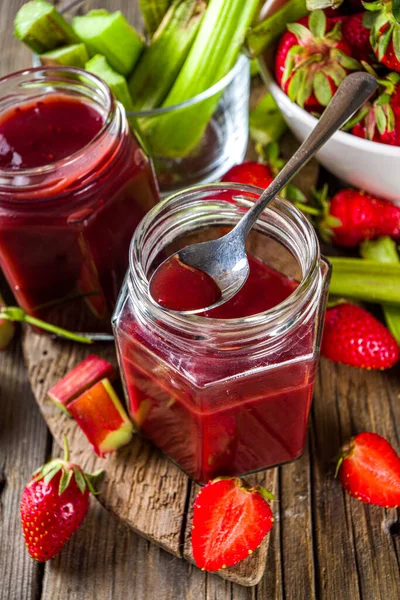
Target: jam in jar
[
  {"x": 74, "y": 184},
  {"x": 228, "y": 391}
]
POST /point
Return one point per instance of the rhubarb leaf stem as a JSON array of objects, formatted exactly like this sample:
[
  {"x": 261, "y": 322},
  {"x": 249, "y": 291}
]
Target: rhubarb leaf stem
[{"x": 15, "y": 313}]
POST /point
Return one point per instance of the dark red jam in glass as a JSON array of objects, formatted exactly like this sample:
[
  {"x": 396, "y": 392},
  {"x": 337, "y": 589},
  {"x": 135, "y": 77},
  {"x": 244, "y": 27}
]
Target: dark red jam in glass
[
  {"x": 74, "y": 184},
  {"x": 227, "y": 392}
]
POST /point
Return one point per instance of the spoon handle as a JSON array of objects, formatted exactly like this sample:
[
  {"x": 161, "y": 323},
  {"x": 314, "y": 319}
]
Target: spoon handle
[{"x": 351, "y": 95}]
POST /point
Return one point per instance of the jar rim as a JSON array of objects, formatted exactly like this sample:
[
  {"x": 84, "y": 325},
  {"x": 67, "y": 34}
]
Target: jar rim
[
  {"x": 108, "y": 103},
  {"x": 196, "y": 324}
]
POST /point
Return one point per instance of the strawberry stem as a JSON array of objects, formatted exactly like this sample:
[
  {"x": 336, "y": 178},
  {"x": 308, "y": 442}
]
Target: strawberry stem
[
  {"x": 66, "y": 449},
  {"x": 15, "y": 313}
]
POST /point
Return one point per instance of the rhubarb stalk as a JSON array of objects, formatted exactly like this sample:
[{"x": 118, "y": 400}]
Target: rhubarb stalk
[
  {"x": 153, "y": 12},
  {"x": 161, "y": 62},
  {"x": 383, "y": 250},
  {"x": 212, "y": 55},
  {"x": 365, "y": 280},
  {"x": 102, "y": 418},
  {"x": 78, "y": 380}
]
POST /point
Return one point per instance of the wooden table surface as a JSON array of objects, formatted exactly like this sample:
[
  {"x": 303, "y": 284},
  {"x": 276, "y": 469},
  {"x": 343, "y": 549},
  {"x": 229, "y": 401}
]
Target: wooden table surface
[{"x": 324, "y": 545}]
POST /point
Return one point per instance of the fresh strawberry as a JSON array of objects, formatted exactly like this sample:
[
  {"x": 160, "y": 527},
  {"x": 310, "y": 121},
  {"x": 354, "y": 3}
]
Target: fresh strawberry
[
  {"x": 369, "y": 470},
  {"x": 53, "y": 506},
  {"x": 354, "y": 337},
  {"x": 251, "y": 173},
  {"x": 230, "y": 520},
  {"x": 352, "y": 216},
  {"x": 357, "y": 36},
  {"x": 385, "y": 33},
  {"x": 312, "y": 60},
  {"x": 379, "y": 121}
]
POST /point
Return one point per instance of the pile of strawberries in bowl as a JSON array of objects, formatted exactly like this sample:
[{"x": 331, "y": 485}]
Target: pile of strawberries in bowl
[{"x": 312, "y": 58}]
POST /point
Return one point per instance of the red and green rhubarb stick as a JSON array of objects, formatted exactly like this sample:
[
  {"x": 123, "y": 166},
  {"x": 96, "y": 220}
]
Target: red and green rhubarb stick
[
  {"x": 102, "y": 418},
  {"x": 81, "y": 378}
]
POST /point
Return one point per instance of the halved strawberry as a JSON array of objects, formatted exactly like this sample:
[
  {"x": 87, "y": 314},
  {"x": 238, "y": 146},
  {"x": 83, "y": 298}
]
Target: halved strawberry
[
  {"x": 369, "y": 470},
  {"x": 230, "y": 520}
]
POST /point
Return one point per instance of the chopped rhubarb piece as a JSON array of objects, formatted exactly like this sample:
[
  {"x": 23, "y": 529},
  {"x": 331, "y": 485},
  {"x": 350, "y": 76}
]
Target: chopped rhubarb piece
[
  {"x": 7, "y": 329},
  {"x": 102, "y": 418},
  {"x": 81, "y": 378}
]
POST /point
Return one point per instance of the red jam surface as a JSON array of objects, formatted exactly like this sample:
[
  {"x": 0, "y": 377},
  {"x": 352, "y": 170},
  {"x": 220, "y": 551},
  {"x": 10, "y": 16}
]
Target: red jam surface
[
  {"x": 40, "y": 133},
  {"x": 64, "y": 243},
  {"x": 172, "y": 276},
  {"x": 223, "y": 416}
]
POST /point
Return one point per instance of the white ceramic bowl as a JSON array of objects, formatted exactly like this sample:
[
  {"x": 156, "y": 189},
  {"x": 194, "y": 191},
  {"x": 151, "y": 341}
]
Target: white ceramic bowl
[{"x": 363, "y": 164}]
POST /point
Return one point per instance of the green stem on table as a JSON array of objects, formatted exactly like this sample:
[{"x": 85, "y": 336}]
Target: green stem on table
[
  {"x": 365, "y": 280},
  {"x": 384, "y": 251},
  {"x": 265, "y": 33},
  {"x": 15, "y": 313},
  {"x": 212, "y": 55}
]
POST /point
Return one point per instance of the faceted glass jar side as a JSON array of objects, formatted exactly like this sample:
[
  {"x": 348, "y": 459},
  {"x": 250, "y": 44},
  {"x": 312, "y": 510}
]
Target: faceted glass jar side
[
  {"x": 65, "y": 228},
  {"x": 223, "y": 397}
]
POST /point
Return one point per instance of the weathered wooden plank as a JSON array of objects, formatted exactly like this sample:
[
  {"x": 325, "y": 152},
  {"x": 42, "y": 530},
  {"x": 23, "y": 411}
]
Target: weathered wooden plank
[
  {"x": 364, "y": 402},
  {"x": 24, "y": 443},
  {"x": 296, "y": 529},
  {"x": 355, "y": 551}
]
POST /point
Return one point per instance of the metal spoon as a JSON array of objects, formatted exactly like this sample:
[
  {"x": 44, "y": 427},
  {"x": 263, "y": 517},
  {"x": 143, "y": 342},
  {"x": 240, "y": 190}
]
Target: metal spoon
[{"x": 225, "y": 259}]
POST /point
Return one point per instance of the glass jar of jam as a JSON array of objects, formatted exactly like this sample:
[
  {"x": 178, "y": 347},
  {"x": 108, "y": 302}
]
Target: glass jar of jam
[
  {"x": 228, "y": 391},
  {"x": 74, "y": 184}
]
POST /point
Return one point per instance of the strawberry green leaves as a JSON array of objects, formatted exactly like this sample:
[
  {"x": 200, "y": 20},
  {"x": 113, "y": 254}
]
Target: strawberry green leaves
[
  {"x": 316, "y": 61},
  {"x": 317, "y": 23},
  {"x": 322, "y": 89}
]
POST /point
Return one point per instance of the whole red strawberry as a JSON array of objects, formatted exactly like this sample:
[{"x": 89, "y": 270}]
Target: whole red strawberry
[
  {"x": 354, "y": 337},
  {"x": 353, "y": 216},
  {"x": 369, "y": 470},
  {"x": 384, "y": 33},
  {"x": 357, "y": 36},
  {"x": 250, "y": 173},
  {"x": 230, "y": 520},
  {"x": 312, "y": 60},
  {"x": 53, "y": 506}
]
